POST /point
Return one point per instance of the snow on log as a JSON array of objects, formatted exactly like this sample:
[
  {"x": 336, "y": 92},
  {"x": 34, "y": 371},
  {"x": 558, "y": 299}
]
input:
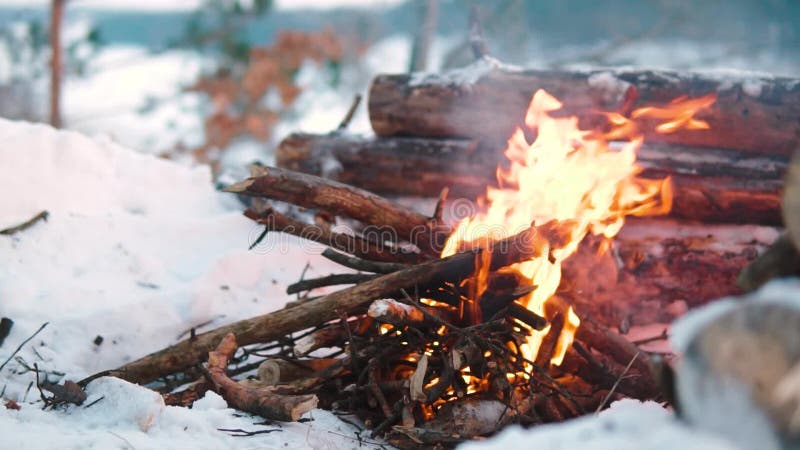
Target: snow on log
[{"x": 753, "y": 112}]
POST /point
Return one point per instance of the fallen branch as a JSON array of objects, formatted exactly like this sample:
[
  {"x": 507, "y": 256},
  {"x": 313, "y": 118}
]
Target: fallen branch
[
  {"x": 25, "y": 225},
  {"x": 278, "y": 324},
  {"x": 350, "y": 243},
  {"x": 287, "y": 408},
  {"x": 362, "y": 264},
  {"x": 395, "y": 223},
  {"x": 330, "y": 280}
]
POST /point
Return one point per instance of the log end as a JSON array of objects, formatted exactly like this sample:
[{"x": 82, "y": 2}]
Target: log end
[
  {"x": 240, "y": 187},
  {"x": 305, "y": 403}
]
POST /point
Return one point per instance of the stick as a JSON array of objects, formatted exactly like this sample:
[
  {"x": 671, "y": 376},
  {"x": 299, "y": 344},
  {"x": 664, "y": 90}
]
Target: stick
[
  {"x": 395, "y": 222},
  {"x": 287, "y": 408},
  {"x": 275, "y": 325},
  {"x": 22, "y": 345},
  {"x": 350, "y": 112},
  {"x": 362, "y": 264},
  {"x": 25, "y": 225},
  {"x": 354, "y": 244},
  {"x": 330, "y": 280}
]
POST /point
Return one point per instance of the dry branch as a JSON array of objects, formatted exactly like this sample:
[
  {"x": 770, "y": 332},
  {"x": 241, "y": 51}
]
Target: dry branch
[
  {"x": 275, "y": 325},
  {"x": 342, "y": 200},
  {"x": 351, "y": 243},
  {"x": 752, "y": 113},
  {"x": 262, "y": 402}
]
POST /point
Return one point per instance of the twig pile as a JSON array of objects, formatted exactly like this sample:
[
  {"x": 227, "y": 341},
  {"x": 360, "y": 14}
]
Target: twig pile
[{"x": 410, "y": 351}]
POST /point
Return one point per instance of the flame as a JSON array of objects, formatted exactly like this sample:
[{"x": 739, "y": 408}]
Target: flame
[{"x": 571, "y": 180}]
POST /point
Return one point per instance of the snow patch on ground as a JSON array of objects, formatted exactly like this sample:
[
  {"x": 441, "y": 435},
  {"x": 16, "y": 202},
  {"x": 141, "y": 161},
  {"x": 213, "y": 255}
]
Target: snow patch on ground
[
  {"x": 626, "y": 425},
  {"x": 136, "y": 250}
]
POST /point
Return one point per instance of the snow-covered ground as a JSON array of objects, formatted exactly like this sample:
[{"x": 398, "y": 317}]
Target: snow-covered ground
[{"x": 137, "y": 250}]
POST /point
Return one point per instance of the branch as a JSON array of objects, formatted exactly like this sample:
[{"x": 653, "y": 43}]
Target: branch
[
  {"x": 278, "y": 324},
  {"x": 262, "y": 402}
]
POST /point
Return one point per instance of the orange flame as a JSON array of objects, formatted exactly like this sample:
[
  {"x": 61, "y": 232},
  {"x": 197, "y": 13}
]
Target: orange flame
[{"x": 573, "y": 177}]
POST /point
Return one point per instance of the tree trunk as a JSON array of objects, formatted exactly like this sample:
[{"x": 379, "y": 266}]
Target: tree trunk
[
  {"x": 710, "y": 185},
  {"x": 56, "y": 65},
  {"x": 752, "y": 113},
  {"x": 429, "y": 16}
]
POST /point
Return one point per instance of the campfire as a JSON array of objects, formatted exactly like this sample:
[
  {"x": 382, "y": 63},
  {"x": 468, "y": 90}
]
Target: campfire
[{"x": 454, "y": 329}]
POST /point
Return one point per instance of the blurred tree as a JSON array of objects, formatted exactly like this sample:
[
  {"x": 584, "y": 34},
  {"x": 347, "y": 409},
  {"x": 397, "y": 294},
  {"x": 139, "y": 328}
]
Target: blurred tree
[
  {"x": 429, "y": 17},
  {"x": 219, "y": 27},
  {"x": 56, "y": 18},
  {"x": 248, "y": 87},
  {"x": 25, "y": 50}
]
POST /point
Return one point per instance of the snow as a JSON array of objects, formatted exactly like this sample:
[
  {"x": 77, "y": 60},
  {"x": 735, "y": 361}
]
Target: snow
[
  {"x": 729, "y": 405},
  {"x": 469, "y": 74},
  {"x": 606, "y": 82},
  {"x": 137, "y": 250},
  {"x": 119, "y": 87},
  {"x": 626, "y": 425}
]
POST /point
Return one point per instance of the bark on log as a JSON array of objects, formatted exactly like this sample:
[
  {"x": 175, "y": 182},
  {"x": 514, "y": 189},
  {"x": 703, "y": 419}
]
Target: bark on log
[
  {"x": 710, "y": 185},
  {"x": 275, "y": 325},
  {"x": 287, "y": 408},
  {"x": 342, "y": 200},
  {"x": 752, "y": 113}
]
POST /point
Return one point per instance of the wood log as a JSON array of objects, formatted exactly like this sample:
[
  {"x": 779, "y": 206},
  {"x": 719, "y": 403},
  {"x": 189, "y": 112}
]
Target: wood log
[
  {"x": 275, "y": 325},
  {"x": 753, "y": 113},
  {"x": 710, "y": 185},
  {"x": 262, "y": 402},
  {"x": 657, "y": 269},
  {"x": 395, "y": 222},
  {"x": 276, "y": 371}
]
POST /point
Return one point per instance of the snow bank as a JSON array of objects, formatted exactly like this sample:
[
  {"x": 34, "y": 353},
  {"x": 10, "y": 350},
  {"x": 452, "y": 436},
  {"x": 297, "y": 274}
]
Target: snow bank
[
  {"x": 626, "y": 425},
  {"x": 136, "y": 250}
]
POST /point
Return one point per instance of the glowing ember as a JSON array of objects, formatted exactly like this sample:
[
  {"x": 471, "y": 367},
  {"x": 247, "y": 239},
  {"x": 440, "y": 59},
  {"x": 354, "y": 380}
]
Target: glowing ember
[{"x": 574, "y": 178}]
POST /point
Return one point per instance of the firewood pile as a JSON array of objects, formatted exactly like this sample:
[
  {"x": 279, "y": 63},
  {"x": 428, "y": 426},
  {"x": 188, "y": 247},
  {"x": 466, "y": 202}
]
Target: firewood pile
[{"x": 429, "y": 350}]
